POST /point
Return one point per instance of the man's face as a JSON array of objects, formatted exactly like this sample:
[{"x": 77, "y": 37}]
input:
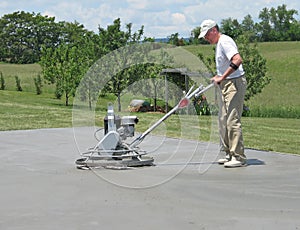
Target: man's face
[{"x": 211, "y": 36}]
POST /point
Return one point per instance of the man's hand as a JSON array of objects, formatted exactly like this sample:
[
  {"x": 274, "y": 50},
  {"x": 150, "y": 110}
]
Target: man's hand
[{"x": 217, "y": 79}]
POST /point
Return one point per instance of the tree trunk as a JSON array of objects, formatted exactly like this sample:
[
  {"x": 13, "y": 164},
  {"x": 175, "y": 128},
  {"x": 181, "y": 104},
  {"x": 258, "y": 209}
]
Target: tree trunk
[
  {"x": 119, "y": 102},
  {"x": 90, "y": 100},
  {"x": 155, "y": 97},
  {"x": 67, "y": 99}
]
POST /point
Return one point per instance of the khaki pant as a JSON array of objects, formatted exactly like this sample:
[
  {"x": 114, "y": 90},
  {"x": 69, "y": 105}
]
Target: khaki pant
[{"x": 230, "y": 113}]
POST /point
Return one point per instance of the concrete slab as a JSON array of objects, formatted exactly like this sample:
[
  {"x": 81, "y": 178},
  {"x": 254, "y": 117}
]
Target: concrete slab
[{"x": 41, "y": 188}]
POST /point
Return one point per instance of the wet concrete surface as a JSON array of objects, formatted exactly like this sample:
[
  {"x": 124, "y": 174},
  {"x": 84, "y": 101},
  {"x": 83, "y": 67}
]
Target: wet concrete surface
[{"x": 41, "y": 188}]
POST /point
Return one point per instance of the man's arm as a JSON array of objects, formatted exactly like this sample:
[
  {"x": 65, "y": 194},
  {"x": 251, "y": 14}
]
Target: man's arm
[{"x": 236, "y": 61}]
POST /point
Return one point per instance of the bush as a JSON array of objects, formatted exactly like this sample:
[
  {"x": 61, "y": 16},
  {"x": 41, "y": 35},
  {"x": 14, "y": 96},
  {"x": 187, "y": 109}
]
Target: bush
[
  {"x": 201, "y": 105},
  {"x": 38, "y": 84},
  {"x": 2, "y": 82},
  {"x": 18, "y": 83},
  {"x": 276, "y": 111}
]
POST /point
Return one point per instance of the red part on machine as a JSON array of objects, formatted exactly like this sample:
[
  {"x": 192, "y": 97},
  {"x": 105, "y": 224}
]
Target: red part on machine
[{"x": 183, "y": 103}]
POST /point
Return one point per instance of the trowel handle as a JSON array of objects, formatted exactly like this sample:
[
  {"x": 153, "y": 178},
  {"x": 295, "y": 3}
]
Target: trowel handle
[{"x": 188, "y": 96}]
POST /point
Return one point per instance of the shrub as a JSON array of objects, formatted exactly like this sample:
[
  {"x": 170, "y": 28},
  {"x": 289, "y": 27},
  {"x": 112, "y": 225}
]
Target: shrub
[
  {"x": 275, "y": 111},
  {"x": 38, "y": 84},
  {"x": 2, "y": 81},
  {"x": 18, "y": 83}
]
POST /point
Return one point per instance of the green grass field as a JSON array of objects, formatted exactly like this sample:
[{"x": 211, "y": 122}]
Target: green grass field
[
  {"x": 26, "y": 73},
  {"x": 281, "y": 97},
  {"x": 26, "y": 110}
]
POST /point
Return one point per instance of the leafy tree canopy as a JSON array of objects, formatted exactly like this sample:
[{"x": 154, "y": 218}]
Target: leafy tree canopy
[{"x": 276, "y": 24}]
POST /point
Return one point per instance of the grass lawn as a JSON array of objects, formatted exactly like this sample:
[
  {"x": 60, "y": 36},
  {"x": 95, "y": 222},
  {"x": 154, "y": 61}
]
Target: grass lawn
[
  {"x": 26, "y": 74},
  {"x": 25, "y": 110},
  {"x": 272, "y": 134}
]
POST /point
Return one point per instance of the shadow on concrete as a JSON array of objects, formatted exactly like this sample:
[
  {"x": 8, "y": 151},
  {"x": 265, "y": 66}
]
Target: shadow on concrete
[{"x": 251, "y": 162}]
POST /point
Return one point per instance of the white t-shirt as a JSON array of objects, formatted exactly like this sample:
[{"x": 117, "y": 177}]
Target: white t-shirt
[{"x": 225, "y": 50}]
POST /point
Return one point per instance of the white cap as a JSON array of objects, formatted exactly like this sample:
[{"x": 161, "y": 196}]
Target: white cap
[{"x": 205, "y": 26}]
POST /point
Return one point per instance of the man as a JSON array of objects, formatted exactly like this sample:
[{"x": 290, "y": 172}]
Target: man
[{"x": 232, "y": 83}]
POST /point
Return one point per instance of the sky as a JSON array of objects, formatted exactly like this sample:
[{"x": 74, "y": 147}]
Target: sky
[{"x": 160, "y": 18}]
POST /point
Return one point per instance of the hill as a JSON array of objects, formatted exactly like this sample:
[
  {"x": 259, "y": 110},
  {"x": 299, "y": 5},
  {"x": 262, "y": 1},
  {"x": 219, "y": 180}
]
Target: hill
[{"x": 281, "y": 97}]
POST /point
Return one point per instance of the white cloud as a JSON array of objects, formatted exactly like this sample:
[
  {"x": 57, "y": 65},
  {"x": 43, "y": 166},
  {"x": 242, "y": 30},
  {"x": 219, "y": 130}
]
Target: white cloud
[
  {"x": 178, "y": 18},
  {"x": 48, "y": 13},
  {"x": 4, "y": 4},
  {"x": 137, "y": 4}
]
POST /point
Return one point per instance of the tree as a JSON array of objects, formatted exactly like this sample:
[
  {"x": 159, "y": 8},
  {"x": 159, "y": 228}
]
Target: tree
[
  {"x": 231, "y": 27},
  {"x": 38, "y": 84},
  {"x": 22, "y": 35},
  {"x": 2, "y": 81},
  {"x": 248, "y": 28},
  {"x": 90, "y": 85},
  {"x": 194, "y": 37},
  {"x": 264, "y": 26},
  {"x": 294, "y": 31},
  {"x": 66, "y": 65},
  {"x": 281, "y": 19},
  {"x": 113, "y": 39},
  {"x": 152, "y": 71},
  {"x": 174, "y": 39},
  {"x": 255, "y": 67},
  {"x": 18, "y": 84},
  {"x": 278, "y": 24}
]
